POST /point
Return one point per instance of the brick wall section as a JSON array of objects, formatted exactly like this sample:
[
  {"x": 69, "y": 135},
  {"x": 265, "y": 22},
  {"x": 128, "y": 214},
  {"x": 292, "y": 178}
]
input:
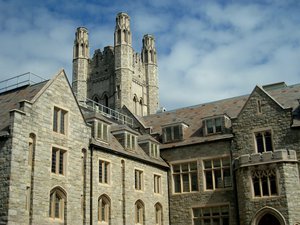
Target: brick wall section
[
  {"x": 181, "y": 204},
  {"x": 41, "y": 113}
]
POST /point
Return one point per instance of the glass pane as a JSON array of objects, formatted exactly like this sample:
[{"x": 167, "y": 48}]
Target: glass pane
[
  {"x": 100, "y": 172},
  {"x": 106, "y": 172},
  {"x": 208, "y": 177},
  {"x": 184, "y": 167},
  {"x": 176, "y": 133},
  {"x": 177, "y": 184},
  {"x": 209, "y": 126},
  {"x": 259, "y": 143},
  {"x": 218, "y": 179},
  {"x": 206, "y": 212},
  {"x": 193, "y": 166},
  {"x": 186, "y": 185},
  {"x": 225, "y": 221},
  {"x": 227, "y": 177},
  {"x": 218, "y": 122},
  {"x": 265, "y": 188},
  {"x": 61, "y": 162},
  {"x": 206, "y": 222},
  {"x": 57, "y": 207},
  {"x": 194, "y": 180},
  {"x": 197, "y": 221},
  {"x": 217, "y": 163},
  {"x": 268, "y": 139},
  {"x": 62, "y": 122},
  {"x": 273, "y": 185},
  {"x": 207, "y": 164},
  {"x": 215, "y": 211},
  {"x": 216, "y": 221},
  {"x": 176, "y": 168},
  {"x": 224, "y": 210},
  {"x": 53, "y": 164},
  {"x": 196, "y": 212},
  {"x": 168, "y": 132},
  {"x": 55, "y": 117},
  {"x": 256, "y": 186}
]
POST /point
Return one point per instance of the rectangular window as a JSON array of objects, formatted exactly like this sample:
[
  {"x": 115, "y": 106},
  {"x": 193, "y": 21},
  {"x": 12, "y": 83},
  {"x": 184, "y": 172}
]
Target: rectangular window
[
  {"x": 104, "y": 170},
  {"x": 102, "y": 131},
  {"x": 264, "y": 183},
  {"x": 214, "y": 125},
  {"x": 130, "y": 141},
  {"x": 263, "y": 141},
  {"x": 59, "y": 120},
  {"x": 138, "y": 179},
  {"x": 154, "y": 150},
  {"x": 58, "y": 163},
  {"x": 217, "y": 173},
  {"x": 157, "y": 184},
  {"x": 172, "y": 133},
  {"x": 216, "y": 215},
  {"x": 185, "y": 177}
]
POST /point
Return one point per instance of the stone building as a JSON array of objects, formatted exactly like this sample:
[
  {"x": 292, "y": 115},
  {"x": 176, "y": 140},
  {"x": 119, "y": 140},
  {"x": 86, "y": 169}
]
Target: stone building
[{"x": 99, "y": 153}]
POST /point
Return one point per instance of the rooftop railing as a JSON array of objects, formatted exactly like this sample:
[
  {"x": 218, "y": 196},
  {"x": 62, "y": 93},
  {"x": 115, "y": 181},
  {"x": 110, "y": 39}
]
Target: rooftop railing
[
  {"x": 19, "y": 81},
  {"x": 107, "y": 112}
]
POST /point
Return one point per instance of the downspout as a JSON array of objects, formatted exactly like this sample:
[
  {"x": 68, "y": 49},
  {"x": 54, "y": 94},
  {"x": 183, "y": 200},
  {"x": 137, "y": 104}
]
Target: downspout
[
  {"x": 234, "y": 184},
  {"x": 32, "y": 181},
  {"x": 123, "y": 192},
  {"x": 91, "y": 187}
]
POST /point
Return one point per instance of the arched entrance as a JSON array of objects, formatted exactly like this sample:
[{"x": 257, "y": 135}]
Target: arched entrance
[
  {"x": 269, "y": 219},
  {"x": 268, "y": 216}
]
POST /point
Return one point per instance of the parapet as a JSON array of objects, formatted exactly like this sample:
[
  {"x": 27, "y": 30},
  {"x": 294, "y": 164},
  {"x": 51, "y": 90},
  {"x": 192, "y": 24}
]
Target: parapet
[{"x": 280, "y": 155}]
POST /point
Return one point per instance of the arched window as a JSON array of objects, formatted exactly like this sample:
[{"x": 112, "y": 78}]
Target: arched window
[
  {"x": 119, "y": 37},
  {"x": 83, "y": 50},
  {"x": 141, "y": 107},
  {"x": 139, "y": 212},
  {"x": 158, "y": 214},
  {"x": 96, "y": 99},
  {"x": 31, "y": 147},
  {"x": 135, "y": 104},
  {"x": 57, "y": 206},
  {"x": 104, "y": 209},
  {"x": 125, "y": 36}
]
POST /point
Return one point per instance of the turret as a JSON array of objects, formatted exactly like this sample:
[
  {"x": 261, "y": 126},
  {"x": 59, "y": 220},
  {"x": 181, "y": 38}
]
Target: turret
[
  {"x": 150, "y": 60},
  {"x": 123, "y": 61},
  {"x": 80, "y": 63}
]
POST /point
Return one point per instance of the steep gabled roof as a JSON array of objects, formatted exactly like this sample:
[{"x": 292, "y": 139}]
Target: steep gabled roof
[
  {"x": 9, "y": 100},
  {"x": 284, "y": 96}
]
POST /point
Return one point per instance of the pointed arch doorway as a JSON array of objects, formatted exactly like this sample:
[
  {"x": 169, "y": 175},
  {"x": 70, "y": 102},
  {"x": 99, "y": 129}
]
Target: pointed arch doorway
[
  {"x": 268, "y": 216},
  {"x": 269, "y": 219}
]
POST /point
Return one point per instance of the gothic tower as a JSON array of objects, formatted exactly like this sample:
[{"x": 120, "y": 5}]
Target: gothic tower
[
  {"x": 150, "y": 61},
  {"x": 80, "y": 63},
  {"x": 123, "y": 61}
]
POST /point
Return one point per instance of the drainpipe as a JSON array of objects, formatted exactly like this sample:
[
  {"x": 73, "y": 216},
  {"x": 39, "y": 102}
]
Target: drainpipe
[{"x": 91, "y": 186}]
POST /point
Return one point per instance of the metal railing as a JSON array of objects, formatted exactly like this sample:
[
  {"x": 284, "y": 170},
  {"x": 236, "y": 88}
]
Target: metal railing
[
  {"x": 107, "y": 112},
  {"x": 19, "y": 81}
]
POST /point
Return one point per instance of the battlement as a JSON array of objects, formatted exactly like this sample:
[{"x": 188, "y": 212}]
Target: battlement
[{"x": 280, "y": 155}]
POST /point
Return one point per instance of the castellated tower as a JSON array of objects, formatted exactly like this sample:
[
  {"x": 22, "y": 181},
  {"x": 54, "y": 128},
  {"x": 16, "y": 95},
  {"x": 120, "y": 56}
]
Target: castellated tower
[
  {"x": 80, "y": 63},
  {"x": 118, "y": 76}
]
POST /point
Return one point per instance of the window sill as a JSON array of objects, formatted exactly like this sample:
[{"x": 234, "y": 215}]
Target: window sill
[
  {"x": 218, "y": 189},
  {"x": 185, "y": 193}
]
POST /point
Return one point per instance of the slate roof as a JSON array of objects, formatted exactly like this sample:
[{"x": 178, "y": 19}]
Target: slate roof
[
  {"x": 193, "y": 116},
  {"x": 9, "y": 100}
]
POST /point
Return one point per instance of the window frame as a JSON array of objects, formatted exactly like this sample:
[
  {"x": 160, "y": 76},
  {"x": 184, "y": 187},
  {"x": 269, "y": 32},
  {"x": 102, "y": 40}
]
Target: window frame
[
  {"x": 104, "y": 210},
  {"x": 103, "y": 135},
  {"x": 139, "y": 214},
  {"x": 214, "y": 128},
  {"x": 262, "y": 132},
  {"x": 138, "y": 179},
  {"x": 130, "y": 141},
  {"x": 61, "y": 195},
  {"x": 214, "y": 168},
  {"x": 158, "y": 214},
  {"x": 265, "y": 173},
  {"x": 157, "y": 187},
  {"x": 210, "y": 215},
  {"x": 60, "y": 126},
  {"x": 154, "y": 150},
  {"x": 169, "y": 136},
  {"x": 181, "y": 174},
  {"x": 58, "y": 152},
  {"x": 107, "y": 165}
]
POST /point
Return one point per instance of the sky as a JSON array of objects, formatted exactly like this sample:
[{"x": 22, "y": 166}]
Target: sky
[{"x": 207, "y": 50}]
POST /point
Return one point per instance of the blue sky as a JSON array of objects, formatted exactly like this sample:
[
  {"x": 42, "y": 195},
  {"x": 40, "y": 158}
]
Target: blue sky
[{"x": 207, "y": 50}]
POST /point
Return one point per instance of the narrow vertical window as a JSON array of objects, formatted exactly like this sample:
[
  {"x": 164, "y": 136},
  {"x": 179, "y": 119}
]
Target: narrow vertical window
[
  {"x": 158, "y": 214},
  {"x": 157, "y": 184},
  {"x": 104, "y": 210},
  {"x": 58, "y": 163},
  {"x": 28, "y": 197},
  {"x": 59, "y": 120},
  {"x": 263, "y": 141},
  {"x": 259, "y": 109},
  {"x": 138, "y": 176},
  {"x": 57, "y": 206},
  {"x": 104, "y": 170},
  {"x": 264, "y": 183},
  {"x": 139, "y": 213}
]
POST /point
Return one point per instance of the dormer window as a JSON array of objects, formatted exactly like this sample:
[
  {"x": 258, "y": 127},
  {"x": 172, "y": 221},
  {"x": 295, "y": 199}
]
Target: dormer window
[
  {"x": 216, "y": 125},
  {"x": 101, "y": 131},
  {"x": 173, "y": 132}
]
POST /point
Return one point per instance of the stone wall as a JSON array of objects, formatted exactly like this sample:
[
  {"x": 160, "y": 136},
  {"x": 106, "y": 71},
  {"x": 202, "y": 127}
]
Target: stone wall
[{"x": 181, "y": 204}]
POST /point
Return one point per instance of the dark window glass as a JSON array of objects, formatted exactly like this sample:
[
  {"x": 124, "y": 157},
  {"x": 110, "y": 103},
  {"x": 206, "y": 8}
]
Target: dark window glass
[{"x": 259, "y": 143}]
